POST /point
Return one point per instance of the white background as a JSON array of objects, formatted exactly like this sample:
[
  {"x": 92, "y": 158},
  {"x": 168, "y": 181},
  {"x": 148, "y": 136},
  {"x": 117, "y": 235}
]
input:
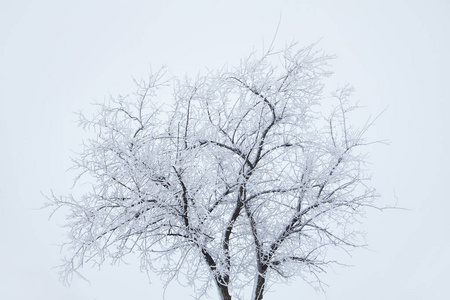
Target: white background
[{"x": 57, "y": 57}]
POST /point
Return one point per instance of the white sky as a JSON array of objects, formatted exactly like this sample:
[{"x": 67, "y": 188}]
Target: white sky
[{"x": 57, "y": 57}]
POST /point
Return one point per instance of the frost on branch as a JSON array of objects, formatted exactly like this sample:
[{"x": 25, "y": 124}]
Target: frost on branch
[{"x": 241, "y": 179}]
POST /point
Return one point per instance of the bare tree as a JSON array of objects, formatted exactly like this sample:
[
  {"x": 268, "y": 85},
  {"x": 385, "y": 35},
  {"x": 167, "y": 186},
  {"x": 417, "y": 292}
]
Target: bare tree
[{"x": 245, "y": 176}]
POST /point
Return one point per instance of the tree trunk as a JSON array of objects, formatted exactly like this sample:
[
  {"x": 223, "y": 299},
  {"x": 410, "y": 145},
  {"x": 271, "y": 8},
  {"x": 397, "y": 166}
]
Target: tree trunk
[
  {"x": 223, "y": 291},
  {"x": 258, "y": 291}
]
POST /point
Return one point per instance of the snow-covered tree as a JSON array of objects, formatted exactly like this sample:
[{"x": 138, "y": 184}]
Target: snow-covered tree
[{"x": 244, "y": 176}]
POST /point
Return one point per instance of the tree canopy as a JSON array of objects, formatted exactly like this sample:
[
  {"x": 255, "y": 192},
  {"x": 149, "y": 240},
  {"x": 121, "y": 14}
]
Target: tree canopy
[{"x": 244, "y": 176}]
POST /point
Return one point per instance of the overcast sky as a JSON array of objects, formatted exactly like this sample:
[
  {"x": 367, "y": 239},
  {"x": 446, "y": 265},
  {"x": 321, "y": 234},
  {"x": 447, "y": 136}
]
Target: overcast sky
[{"x": 58, "y": 57}]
